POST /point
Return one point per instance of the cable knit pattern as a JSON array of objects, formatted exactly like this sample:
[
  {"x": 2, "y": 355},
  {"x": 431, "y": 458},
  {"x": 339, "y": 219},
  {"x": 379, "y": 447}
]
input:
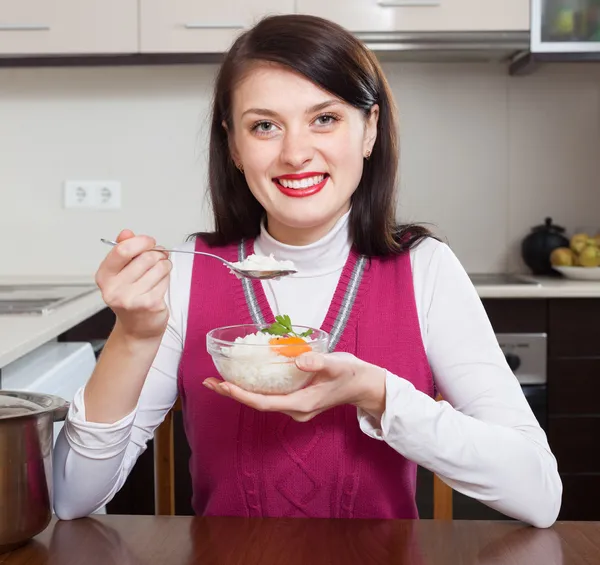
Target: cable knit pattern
[{"x": 248, "y": 463}]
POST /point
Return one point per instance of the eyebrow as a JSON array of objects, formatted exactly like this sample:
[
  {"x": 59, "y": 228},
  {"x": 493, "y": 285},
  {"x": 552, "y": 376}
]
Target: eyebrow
[{"x": 272, "y": 114}]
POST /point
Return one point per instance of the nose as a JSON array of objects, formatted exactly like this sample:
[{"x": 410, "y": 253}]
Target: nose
[{"x": 297, "y": 149}]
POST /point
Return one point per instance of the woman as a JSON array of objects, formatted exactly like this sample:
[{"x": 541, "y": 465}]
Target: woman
[{"x": 303, "y": 159}]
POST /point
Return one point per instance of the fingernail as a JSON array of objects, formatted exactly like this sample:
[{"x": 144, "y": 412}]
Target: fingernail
[
  {"x": 208, "y": 385},
  {"x": 306, "y": 362}
]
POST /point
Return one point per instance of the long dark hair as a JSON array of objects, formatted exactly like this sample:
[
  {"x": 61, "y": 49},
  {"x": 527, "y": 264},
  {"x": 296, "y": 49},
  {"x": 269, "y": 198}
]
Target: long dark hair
[{"x": 334, "y": 59}]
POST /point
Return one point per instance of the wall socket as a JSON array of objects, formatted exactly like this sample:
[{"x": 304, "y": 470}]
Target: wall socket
[{"x": 99, "y": 195}]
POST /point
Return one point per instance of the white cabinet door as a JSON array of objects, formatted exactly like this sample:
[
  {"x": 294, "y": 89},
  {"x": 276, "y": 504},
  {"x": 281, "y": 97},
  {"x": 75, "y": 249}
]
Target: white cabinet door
[
  {"x": 200, "y": 26},
  {"x": 48, "y": 27},
  {"x": 422, "y": 15}
]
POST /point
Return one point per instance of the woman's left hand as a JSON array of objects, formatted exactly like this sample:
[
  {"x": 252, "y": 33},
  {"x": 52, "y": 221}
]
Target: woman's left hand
[{"x": 340, "y": 378}]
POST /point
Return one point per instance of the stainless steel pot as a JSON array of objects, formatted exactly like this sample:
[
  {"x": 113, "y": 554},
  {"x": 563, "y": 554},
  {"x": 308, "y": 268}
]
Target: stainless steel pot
[{"x": 26, "y": 441}]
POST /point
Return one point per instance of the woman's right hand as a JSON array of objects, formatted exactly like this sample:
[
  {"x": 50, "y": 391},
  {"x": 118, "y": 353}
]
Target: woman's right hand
[{"x": 134, "y": 279}]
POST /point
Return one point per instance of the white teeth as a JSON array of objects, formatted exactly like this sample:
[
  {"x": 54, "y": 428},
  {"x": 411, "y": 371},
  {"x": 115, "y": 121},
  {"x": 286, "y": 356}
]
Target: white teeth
[{"x": 303, "y": 183}]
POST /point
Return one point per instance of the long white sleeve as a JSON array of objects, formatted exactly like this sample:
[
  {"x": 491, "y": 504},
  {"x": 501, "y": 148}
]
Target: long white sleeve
[
  {"x": 483, "y": 439},
  {"x": 92, "y": 460}
]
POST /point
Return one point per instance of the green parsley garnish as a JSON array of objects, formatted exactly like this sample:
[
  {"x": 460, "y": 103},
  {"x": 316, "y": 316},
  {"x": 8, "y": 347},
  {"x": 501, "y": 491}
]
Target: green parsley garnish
[{"x": 283, "y": 327}]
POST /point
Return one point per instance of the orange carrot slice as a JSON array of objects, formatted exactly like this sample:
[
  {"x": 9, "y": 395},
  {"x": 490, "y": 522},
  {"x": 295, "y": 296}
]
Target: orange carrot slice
[{"x": 289, "y": 346}]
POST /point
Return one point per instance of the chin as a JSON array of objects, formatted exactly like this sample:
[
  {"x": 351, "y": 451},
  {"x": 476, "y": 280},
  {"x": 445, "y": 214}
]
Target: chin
[{"x": 308, "y": 217}]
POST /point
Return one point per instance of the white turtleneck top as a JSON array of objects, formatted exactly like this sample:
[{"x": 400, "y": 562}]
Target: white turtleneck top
[{"x": 483, "y": 439}]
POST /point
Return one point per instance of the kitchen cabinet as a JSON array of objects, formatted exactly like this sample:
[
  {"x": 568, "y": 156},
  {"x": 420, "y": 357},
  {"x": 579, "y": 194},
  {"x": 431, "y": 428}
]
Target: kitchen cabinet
[
  {"x": 565, "y": 26},
  {"x": 52, "y": 27},
  {"x": 574, "y": 403},
  {"x": 422, "y": 15},
  {"x": 573, "y": 384},
  {"x": 192, "y": 26}
]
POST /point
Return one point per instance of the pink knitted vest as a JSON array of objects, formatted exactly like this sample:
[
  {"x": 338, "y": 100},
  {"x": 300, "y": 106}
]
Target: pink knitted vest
[{"x": 250, "y": 463}]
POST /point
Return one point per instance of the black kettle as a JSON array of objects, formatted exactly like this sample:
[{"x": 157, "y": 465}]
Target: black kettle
[{"x": 539, "y": 244}]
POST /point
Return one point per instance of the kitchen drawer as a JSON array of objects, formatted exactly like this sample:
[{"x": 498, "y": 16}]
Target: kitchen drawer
[
  {"x": 573, "y": 386},
  {"x": 581, "y": 497},
  {"x": 574, "y": 442},
  {"x": 517, "y": 315},
  {"x": 574, "y": 328}
]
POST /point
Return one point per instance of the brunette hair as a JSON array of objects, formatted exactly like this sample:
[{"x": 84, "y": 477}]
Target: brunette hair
[{"x": 334, "y": 59}]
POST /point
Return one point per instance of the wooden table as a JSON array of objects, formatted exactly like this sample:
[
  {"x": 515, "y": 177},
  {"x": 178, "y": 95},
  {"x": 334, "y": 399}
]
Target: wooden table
[{"x": 140, "y": 540}]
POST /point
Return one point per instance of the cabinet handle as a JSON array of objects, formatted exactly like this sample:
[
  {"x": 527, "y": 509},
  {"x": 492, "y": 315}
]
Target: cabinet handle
[
  {"x": 214, "y": 26},
  {"x": 24, "y": 27},
  {"x": 400, "y": 3}
]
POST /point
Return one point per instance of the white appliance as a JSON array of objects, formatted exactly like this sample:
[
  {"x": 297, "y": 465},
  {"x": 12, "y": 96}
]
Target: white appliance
[{"x": 59, "y": 368}]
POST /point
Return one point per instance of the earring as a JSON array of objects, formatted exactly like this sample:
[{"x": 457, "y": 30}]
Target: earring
[
  {"x": 240, "y": 167},
  {"x": 367, "y": 154}
]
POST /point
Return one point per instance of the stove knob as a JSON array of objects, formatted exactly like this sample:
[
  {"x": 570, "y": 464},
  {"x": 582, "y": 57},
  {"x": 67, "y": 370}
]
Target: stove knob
[{"x": 514, "y": 361}]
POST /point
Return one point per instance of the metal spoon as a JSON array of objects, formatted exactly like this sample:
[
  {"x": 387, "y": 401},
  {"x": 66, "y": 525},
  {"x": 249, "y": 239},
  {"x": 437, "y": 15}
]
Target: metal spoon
[{"x": 249, "y": 274}]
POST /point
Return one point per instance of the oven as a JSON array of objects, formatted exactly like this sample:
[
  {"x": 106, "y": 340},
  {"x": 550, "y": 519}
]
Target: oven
[{"x": 526, "y": 354}]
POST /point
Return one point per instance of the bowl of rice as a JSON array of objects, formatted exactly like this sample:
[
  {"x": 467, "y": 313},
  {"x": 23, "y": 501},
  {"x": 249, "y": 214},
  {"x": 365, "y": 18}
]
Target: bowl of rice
[{"x": 258, "y": 361}]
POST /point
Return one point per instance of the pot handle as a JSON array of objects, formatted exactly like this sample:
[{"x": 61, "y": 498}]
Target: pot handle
[{"x": 59, "y": 408}]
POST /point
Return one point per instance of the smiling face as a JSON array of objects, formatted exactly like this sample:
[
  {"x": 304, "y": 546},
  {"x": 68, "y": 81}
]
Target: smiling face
[{"x": 301, "y": 149}]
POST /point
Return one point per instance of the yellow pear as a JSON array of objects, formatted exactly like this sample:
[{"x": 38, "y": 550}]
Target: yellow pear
[
  {"x": 596, "y": 239},
  {"x": 590, "y": 256},
  {"x": 562, "y": 257},
  {"x": 579, "y": 241}
]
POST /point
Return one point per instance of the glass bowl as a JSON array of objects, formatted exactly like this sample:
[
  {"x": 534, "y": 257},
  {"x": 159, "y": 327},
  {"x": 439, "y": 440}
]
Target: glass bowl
[{"x": 243, "y": 356}]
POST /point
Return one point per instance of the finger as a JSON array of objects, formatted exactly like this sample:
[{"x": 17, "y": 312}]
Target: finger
[
  {"x": 142, "y": 266},
  {"x": 330, "y": 365},
  {"x": 146, "y": 294},
  {"x": 310, "y": 362},
  {"x": 304, "y": 416},
  {"x": 124, "y": 234},
  {"x": 125, "y": 251},
  {"x": 211, "y": 383},
  {"x": 154, "y": 299}
]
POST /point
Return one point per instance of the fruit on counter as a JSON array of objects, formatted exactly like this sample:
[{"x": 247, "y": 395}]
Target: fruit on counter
[
  {"x": 579, "y": 241},
  {"x": 562, "y": 257},
  {"x": 590, "y": 255},
  {"x": 583, "y": 251}
]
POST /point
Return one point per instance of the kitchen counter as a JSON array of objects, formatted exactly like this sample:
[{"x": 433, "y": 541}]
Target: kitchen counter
[
  {"x": 178, "y": 540},
  {"x": 547, "y": 287},
  {"x": 20, "y": 334}
]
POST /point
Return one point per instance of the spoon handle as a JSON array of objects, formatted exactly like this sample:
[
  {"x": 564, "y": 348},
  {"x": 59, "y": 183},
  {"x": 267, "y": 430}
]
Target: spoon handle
[{"x": 113, "y": 243}]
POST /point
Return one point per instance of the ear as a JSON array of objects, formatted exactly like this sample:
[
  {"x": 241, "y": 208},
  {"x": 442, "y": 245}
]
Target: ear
[
  {"x": 231, "y": 142},
  {"x": 371, "y": 129}
]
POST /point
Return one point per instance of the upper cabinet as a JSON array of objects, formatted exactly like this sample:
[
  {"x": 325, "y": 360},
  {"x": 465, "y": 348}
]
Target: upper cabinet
[
  {"x": 422, "y": 15},
  {"x": 206, "y": 26},
  {"x": 565, "y": 26},
  {"x": 90, "y": 27},
  {"x": 51, "y": 27}
]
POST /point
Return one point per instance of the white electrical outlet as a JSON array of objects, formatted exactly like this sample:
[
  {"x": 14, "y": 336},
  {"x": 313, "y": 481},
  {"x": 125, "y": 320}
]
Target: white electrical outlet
[
  {"x": 108, "y": 195},
  {"x": 78, "y": 195},
  {"x": 99, "y": 195}
]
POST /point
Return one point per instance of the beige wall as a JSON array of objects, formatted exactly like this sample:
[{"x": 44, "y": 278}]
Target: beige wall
[{"x": 484, "y": 156}]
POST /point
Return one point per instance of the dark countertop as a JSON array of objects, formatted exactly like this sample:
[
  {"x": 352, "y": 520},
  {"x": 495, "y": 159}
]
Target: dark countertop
[{"x": 140, "y": 540}]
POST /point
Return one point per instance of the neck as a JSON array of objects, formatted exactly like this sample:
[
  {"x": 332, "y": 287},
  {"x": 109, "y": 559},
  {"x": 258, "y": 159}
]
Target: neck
[{"x": 301, "y": 236}]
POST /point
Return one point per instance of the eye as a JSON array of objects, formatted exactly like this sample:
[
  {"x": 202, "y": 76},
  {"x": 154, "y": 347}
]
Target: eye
[
  {"x": 263, "y": 127},
  {"x": 326, "y": 119}
]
